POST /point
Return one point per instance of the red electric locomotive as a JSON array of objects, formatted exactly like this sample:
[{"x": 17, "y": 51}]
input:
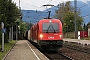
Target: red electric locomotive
[{"x": 48, "y": 34}]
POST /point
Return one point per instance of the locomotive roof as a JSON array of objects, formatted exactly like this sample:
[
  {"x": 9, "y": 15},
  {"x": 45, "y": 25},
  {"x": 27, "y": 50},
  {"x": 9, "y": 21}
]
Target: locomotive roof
[{"x": 46, "y": 20}]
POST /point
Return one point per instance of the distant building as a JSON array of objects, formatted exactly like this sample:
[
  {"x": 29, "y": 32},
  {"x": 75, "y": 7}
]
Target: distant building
[{"x": 89, "y": 30}]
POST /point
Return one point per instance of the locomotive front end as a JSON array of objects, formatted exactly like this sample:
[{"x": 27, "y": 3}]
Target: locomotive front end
[{"x": 50, "y": 35}]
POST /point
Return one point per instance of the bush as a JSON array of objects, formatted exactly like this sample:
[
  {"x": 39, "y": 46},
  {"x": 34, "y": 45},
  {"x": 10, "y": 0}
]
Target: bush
[{"x": 87, "y": 38}]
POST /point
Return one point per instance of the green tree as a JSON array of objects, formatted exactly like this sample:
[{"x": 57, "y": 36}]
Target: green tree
[
  {"x": 88, "y": 26},
  {"x": 63, "y": 9},
  {"x": 66, "y": 14},
  {"x": 9, "y": 13},
  {"x": 69, "y": 22},
  {"x": 85, "y": 27}
]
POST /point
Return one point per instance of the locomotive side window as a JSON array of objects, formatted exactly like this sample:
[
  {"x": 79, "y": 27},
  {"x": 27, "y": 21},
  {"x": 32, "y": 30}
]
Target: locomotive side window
[{"x": 50, "y": 27}]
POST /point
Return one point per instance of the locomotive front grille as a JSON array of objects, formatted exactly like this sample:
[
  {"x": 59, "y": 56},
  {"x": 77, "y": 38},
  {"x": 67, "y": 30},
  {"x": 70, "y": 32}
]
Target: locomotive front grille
[{"x": 49, "y": 42}]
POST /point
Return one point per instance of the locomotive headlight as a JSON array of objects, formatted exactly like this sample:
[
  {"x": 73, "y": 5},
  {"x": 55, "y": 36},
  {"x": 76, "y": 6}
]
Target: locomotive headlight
[
  {"x": 60, "y": 36},
  {"x": 41, "y": 36}
]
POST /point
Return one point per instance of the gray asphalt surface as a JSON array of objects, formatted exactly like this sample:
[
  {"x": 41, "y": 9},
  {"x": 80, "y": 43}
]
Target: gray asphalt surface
[{"x": 23, "y": 50}]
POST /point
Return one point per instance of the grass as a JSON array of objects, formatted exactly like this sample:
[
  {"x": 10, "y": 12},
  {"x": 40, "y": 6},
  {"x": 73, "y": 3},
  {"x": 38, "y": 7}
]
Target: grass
[{"x": 7, "y": 47}]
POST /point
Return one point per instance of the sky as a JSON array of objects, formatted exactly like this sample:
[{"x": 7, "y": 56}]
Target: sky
[{"x": 37, "y": 4}]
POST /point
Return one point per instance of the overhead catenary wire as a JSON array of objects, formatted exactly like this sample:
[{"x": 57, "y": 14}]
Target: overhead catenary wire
[
  {"x": 84, "y": 4},
  {"x": 30, "y": 4},
  {"x": 50, "y": 1},
  {"x": 33, "y": 6},
  {"x": 38, "y": 7}
]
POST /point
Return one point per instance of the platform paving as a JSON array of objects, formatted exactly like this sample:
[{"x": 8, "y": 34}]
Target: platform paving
[
  {"x": 24, "y": 50},
  {"x": 78, "y": 41}
]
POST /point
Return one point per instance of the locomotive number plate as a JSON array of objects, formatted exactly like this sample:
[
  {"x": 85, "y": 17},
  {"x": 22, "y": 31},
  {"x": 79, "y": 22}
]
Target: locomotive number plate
[{"x": 51, "y": 37}]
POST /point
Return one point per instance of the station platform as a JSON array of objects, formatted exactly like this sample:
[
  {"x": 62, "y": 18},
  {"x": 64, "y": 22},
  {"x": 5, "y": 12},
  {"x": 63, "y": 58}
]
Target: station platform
[
  {"x": 83, "y": 42},
  {"x": 24, "y": 50}
]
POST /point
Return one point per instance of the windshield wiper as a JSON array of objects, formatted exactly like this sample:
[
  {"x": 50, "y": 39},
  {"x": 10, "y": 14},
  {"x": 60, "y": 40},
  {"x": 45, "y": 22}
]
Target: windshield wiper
[
  {"x": 52, "y": 27},
  {"x": 48, "y": 29}
]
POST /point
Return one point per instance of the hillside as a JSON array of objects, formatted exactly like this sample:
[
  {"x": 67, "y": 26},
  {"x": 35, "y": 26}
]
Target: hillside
[{"x": 34, "y": 16}]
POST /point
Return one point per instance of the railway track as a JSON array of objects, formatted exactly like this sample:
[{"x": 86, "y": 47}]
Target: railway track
[
  {"x": 78, "y": 47},
  {"x": 57, "y": 56},
  {"x": 69, "y": 52},
  {"x": 76, "y": 51},
  {"x": 53, "y": 55}
]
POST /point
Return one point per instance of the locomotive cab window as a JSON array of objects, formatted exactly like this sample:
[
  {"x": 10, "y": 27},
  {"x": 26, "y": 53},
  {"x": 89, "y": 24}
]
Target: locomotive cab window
[{"x": 50, "y": 27}]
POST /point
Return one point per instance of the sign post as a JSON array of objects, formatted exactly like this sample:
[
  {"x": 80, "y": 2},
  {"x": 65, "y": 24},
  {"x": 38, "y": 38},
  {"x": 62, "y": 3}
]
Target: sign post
[
  {"x": 78, "y": 35},
  {"x": 2, "y": 36}
]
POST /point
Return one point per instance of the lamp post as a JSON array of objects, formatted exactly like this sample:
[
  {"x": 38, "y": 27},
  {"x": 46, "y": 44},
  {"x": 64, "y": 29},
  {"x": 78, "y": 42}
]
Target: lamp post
[
  {"x": 76, "y": 29},
  {"x": 12, "y": 32},
  {"x": 29, "y": 24},
  {"x": 19, "y": 4},
  {"x": 83, "y": 28},
  {"x": 16, "y": 32}
]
